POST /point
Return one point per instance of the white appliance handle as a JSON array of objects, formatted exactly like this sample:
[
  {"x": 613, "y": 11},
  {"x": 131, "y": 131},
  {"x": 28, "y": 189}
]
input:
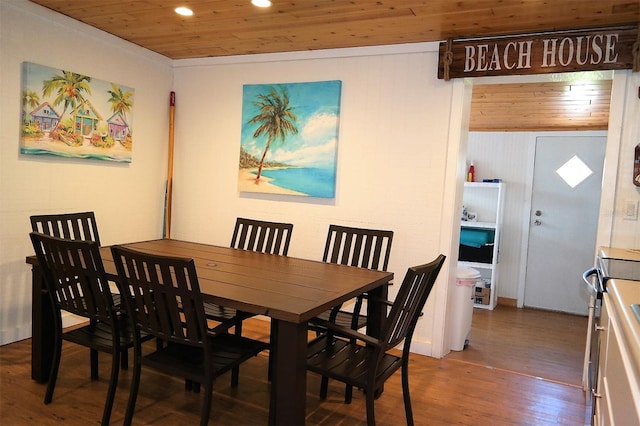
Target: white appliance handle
[
  {"x": 585, "y": 277},
  {"x": 586, "y": 386}
]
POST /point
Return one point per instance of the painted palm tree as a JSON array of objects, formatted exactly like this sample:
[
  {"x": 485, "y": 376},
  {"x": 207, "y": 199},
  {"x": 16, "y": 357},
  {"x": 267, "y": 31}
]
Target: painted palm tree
[
  {"x": 69, "y": 88},
  {"x": 276, "y": 119},
  {"x": 30, "y": 99},
  {"x": 120, "y": 101}
]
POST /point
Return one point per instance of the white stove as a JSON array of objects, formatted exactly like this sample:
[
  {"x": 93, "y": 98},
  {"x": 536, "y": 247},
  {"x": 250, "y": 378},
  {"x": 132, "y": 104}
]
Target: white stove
[{"x": 611, "y": 263}]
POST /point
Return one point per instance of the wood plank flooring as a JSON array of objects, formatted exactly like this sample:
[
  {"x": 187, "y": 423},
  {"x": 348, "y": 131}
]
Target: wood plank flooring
[
  {"x": 495, "y": 381},
  {"x": 538, "y": 343}
]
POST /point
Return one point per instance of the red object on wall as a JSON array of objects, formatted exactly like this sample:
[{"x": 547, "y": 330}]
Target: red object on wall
[
  {"x": 636, "y": 166},
  {"x": 471, "y": 175}
]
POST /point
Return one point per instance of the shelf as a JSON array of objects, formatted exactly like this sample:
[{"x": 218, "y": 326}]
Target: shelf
[
  {"x": 486, "y": 200},
  {"x": 481, "y": 306},
  {"x": 483, "y": 225},
  {"x": 482, "y": 184},
  {"x": 476, "y": 265}
]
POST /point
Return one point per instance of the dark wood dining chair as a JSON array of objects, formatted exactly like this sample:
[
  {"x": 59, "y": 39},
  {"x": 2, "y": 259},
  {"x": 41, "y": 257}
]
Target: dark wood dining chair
[
  {"x": 75, "y": 226},
  {"x": 70, "y": 226},
  {"x": 364, "y": 248},
  {"x": 76, "y": 282},
  {"x": 163, "y": 295},
  {"x": 253, "y": 235},
  {"x": 366, "y": 362}
]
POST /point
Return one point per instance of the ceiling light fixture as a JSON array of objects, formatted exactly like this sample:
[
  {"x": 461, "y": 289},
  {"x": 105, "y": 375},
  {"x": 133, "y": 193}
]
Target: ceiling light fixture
[
  {"x": 184, "y": 11},
  {"x": 261, "y": 3}
]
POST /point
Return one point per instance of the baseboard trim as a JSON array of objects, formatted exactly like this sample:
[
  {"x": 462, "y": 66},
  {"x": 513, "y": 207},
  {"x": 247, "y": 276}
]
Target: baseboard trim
[{"x": 505, "y": 301}]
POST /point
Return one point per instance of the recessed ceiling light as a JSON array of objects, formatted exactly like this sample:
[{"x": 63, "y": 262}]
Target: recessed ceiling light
[
  {"x": 261, "y": 3},
  {"x": 184, "y": 11}
]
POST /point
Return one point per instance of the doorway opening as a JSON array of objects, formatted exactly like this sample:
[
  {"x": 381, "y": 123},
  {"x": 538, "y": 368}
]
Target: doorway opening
[
  {"x": 507, "y": 117},
  {"x": 522, "y": 121}
]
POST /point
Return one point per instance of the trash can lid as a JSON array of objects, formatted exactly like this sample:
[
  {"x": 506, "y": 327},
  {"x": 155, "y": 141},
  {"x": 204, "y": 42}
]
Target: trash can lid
[{"x": 464, "y": 272}]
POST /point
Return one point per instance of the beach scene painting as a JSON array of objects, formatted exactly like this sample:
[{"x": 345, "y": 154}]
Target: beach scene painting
[
  {"x": 289, "y": 138},
  {"x": 68, "y": 114}
]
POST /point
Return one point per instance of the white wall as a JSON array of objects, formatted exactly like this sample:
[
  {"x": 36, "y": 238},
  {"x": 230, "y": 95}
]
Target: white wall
[
  {"x": 626, "y": 233},
  {"x": 127, "y": 198},
  {"x": 401, "y": 133},
  {"x": 392, "y": 153}
]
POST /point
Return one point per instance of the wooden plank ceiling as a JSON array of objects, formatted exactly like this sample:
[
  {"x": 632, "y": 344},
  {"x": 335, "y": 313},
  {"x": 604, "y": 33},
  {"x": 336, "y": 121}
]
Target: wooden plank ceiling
[
  {"x": 541, "y": 106},
  {"x": 235, "y": 27}
]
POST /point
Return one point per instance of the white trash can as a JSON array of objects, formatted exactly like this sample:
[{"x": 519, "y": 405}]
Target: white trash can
[{"x": 464, "y": 292}]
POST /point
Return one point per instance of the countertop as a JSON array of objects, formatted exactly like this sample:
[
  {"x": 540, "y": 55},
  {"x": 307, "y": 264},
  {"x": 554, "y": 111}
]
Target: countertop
[
  {"x": 619, "y": 254},
  {"x": 623, "y": 294}
]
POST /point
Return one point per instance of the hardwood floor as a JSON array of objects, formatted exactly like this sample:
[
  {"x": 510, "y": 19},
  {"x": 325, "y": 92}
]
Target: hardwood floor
[
  {"x": 494, "y": 381},
  {"x": 544, "y": 344}
]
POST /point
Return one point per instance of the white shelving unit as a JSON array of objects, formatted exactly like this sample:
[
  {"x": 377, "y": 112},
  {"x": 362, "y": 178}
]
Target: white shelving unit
[{"x": 487, "y": 201}]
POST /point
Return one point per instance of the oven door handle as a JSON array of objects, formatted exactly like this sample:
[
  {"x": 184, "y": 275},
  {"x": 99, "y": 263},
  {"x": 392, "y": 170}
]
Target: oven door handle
[{"x": 585, "y": 276}]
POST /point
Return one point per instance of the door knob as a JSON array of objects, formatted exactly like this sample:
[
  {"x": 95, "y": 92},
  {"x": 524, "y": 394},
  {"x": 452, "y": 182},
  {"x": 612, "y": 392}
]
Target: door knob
[
  {"x": 537, "y": 222},
  {"x": 538, "y": 213}
]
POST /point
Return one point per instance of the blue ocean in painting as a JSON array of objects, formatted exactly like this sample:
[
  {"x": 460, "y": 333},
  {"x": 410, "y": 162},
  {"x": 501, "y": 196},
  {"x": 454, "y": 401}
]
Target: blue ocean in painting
[
  {"x": 314, "y": 182},
  {"x": 38, "y": 151}
]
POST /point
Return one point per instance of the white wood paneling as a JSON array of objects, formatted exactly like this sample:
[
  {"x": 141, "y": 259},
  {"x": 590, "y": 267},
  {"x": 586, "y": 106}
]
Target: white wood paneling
[{"x": 127, "y": 198}]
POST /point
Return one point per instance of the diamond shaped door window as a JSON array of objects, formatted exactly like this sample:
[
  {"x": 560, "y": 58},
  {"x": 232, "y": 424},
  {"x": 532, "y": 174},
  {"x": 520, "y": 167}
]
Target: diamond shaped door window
[{"x": 574, "y": 171}]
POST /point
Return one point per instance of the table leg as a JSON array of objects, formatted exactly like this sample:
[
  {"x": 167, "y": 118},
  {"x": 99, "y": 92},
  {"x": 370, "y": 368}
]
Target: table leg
[
  {"x": 289, "y": 383},
  {"x": 376, "y": 313},
  {"x": 42, "y": 332}
]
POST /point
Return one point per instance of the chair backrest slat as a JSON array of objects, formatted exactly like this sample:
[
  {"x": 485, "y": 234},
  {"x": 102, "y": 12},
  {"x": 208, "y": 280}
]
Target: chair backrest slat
[
  {"x": 164, "y": 294},
  {"x": 70, "y": 226},
  {"x": 364, "y": 248},
  {"x": 74, "y": 275},
  {"x": 262, "y": 236},
  {"x": 409, "y": 302}
]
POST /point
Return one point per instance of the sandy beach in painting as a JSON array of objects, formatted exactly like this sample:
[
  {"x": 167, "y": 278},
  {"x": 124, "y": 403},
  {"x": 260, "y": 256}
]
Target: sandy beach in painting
[
  {"x": 247, "y": 183},
  {"x": 47, "y": 145}
]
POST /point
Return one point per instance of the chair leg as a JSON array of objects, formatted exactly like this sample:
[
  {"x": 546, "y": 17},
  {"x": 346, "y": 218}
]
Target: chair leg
[
  {"x": 206, "y": 403},
  {"x": 93, "y": 356},
  {"x": 324, "y": 385},
  {"x": 135, "y": 385},
  {"x": 124, "y": 359},
  {"x": 113, "y": 384},
  {"x": 370, "y": 398},
  {"x": 405, "y": 394},
  {"x": 53, "y": 373},
  {"x": 235, "y": 372},
  {"x": 348, "y": 394}
]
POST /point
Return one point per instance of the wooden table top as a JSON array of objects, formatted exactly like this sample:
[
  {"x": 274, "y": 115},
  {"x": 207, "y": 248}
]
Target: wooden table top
[{"x": 281, "y": 287}]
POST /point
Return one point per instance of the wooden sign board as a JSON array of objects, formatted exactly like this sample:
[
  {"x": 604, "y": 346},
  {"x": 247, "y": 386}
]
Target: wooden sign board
[{"x": 605, "y": 49}]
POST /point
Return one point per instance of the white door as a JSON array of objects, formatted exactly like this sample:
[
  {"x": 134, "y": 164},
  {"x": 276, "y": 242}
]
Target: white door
[{"x": 563, "y": 221}]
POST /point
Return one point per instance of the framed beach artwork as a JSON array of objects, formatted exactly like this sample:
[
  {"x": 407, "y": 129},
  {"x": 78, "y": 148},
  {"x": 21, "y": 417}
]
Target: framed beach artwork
[
  {"x": 68, "y": 114},
  {"x": 289, "y": 138}
]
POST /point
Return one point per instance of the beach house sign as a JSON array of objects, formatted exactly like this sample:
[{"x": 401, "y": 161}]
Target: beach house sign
[{"x": 604, "y": 49}]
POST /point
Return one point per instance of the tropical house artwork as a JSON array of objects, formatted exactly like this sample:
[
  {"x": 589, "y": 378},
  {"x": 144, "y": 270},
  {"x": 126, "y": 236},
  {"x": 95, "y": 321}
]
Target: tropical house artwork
[
  {"x": 289, "y": 138},
  {"x": 73, "y": 115}
]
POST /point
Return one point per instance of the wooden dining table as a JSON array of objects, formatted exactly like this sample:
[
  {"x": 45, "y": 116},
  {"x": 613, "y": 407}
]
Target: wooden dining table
[{"x": 288, "y": 290}]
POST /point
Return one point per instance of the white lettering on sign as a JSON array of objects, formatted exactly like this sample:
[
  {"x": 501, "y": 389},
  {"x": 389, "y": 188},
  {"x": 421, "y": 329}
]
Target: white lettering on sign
[
  {"x": 599, "y": 49},
  {"x": 563, "y": 52},
  {"x": 515, "y": 55},
  {"x": 611, "y": 56}
]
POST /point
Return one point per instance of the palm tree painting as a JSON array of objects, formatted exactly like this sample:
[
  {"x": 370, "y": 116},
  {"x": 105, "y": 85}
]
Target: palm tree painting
[
  {"x": 69, "y": 114},
  {"x": 289, "y": 138}
]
